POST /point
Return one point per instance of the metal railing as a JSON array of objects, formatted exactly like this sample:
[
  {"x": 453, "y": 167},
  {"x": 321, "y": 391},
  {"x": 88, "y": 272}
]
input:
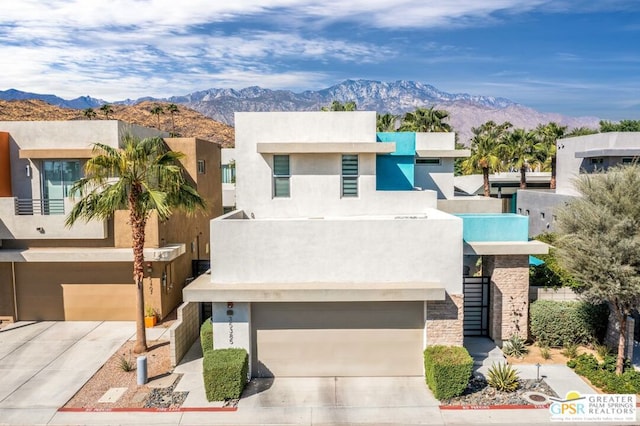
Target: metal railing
[{"x": 33, "y": 206}]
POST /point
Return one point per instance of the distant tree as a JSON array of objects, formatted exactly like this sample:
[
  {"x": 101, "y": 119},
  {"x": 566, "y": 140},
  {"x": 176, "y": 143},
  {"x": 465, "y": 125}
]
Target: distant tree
[
  {"x": 339, "y": 106},
  {"x": 550, "y": 273},
  {"x": 580, "y": 131},
  {"x": 426, "y": 120},
  {"x": 89, "y": 113},
  {"x": 486, "y": 145},
  {"x": 106, "y": 110},
  {"x": 149, "y": 178},
  {"x": 157, "y": 110},
  {"x": 599, "y": 242},
  {"x": 522, "y": 151},
  {"x": 386, "y": 122},
  {"x": 622, "y": 126},
  {"x": 458, "y": 163},
  {"x": 548, "y": 134},
  {"x": 173, "y": 109}
]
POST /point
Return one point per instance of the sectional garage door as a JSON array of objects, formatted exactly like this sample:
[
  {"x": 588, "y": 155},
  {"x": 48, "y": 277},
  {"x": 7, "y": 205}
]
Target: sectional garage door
[{"x": 337, "y": 339}]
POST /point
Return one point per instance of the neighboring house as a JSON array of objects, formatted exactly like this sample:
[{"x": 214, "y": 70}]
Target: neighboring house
[
  {"x": 338, "y": 262},
  {"x": 576, "y": 155},
  {"x": 503, "y": 185},
  {"x": 51, "y": 272}
]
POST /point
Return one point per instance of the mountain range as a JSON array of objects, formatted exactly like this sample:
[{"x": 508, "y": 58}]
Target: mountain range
[{"x": 466, "y": 111}]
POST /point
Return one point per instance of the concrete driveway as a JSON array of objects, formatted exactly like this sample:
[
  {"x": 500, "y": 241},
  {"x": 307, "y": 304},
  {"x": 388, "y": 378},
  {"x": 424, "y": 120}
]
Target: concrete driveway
[{"x": 43, "y": 364}]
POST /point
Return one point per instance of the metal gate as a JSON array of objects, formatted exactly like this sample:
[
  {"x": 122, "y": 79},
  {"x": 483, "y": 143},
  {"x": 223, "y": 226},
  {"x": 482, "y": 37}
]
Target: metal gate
[{"x": 476, "y": 306}]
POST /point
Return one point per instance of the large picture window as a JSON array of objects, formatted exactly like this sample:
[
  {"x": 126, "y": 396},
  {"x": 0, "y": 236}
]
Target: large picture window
[
  {"x": 281, "y": 176},
  {"x": 349, "y": 175}
]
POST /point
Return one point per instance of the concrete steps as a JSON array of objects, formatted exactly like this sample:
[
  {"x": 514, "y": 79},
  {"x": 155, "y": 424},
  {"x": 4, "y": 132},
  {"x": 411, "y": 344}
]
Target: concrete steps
[{"x": 484, "y": 353}]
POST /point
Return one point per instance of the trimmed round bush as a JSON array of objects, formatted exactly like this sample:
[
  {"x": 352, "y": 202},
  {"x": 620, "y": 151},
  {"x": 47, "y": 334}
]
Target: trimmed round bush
[{"x": 555, "y": 323}]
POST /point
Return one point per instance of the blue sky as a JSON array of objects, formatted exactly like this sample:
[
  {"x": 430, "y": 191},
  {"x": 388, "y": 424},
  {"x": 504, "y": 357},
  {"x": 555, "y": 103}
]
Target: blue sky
[{"x": 576, "y": 57}]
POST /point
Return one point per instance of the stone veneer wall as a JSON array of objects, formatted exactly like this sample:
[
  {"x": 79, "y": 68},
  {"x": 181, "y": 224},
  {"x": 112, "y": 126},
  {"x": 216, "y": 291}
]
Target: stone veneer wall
[
  {"x": 444, "y": 321},
  {"x": 509, "y": 304},
  {"x": 185, "y": 331}
]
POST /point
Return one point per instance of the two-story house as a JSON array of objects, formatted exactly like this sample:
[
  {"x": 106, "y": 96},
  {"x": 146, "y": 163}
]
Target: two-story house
[
  {"x": 340, "y": 258},
  {"x": 52, "y": 272}
]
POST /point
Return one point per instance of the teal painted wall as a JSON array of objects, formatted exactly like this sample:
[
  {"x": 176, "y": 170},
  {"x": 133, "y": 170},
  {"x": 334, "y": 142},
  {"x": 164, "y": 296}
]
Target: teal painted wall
[
  {"x": 494, "y": 227},
  {"x": 395, "y": 171}
]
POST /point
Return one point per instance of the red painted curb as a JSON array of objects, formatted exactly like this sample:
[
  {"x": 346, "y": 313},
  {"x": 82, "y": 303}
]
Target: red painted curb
[
  {"x": 145, "y": 410},
  {"x": 493, "y": 407}
]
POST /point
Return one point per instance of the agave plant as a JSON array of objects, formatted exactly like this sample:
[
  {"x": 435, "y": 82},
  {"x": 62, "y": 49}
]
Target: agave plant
[
  {"x": 503, "y": 377},
  {"x": 514, "y": 347}
]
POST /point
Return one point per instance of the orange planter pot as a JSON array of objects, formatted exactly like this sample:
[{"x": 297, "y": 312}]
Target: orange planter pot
[{"x": 149, "y": 322}]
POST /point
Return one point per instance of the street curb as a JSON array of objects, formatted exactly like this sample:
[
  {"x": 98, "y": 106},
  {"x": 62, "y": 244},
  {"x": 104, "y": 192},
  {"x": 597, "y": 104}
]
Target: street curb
[{"x": 146, "y": 410}]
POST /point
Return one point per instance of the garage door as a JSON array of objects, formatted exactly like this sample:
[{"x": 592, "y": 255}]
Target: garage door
[{"x": 337, "y": 339}]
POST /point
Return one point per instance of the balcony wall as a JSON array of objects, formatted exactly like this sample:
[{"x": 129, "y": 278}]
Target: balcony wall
[
  {"x": 494, "y": 227},
  {"x": 364, "y": 249},
  {"x": 38, "y": 226}
]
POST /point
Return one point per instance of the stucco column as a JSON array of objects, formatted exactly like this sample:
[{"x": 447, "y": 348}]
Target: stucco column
[
  {"x": 232, "y": 326},
  {"x": 509, "y": 302},
  {"x": 444, "y": 321}
]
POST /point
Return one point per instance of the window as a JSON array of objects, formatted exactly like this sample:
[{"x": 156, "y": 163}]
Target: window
[
  {"x": 229, "y": 173},
  {"x": 349, "y": 175},
  {"x": 201, "y": 169},
  {"x": 598, "y": 160},
  {"x": 281, "y": 176},
  {"x": 429, "y": 161},
  {"x": 627, "y": 160}
]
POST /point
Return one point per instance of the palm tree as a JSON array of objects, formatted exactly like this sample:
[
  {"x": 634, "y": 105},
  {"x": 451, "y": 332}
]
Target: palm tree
[
  {"x": 157, "y": 110},
  {"x": 580, "y": 131},
  {"x": 106, "y": 109},
  {"x": 521, "y": 151},
  {"x": 426, "y": 120},
  {"x": 386, "y": 122},
  {"x": 339, "y": 106},
  {"x": 485, "y": 149},
  {"x": 89, "y": 113},
  {"x": 149, "y": 178},
  {"x": 173, "y": 108},
  {"x": 548, "y": 134}
]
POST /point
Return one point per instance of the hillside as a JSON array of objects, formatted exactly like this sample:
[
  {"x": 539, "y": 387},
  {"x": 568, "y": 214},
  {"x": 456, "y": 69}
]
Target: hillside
[{"x": 188, "y": 123}]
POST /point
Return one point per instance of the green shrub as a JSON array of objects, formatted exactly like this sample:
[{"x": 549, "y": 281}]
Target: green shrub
[
  {"x": 545, "y": 353},
  {"x": 206, "y": 335},
  {"x": 514, "y": 347},
  {"x": 503, "y": 377},
  {"x": 602, "y": 350},
  {"x": 447, "y": 370},
  {"x": 603, "y": 376},
  {"x": 558, "y": 323},
  {"x": 225, "y": 373},
  {"x": 570, "y": 350}
]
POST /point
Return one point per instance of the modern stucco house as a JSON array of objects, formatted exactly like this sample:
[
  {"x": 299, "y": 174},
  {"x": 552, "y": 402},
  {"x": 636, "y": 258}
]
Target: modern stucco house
[
  {"x": 576, "y": 155},
  {"x": 343, "y": 256},
  {"x": 50, "y": 272}
]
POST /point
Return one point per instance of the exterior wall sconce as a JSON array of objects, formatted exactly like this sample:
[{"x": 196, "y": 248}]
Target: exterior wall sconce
[
  {"x": 40, "y": 229},
  {"x": 27, "y": 169},
  {"x": 149, "y": 268}
]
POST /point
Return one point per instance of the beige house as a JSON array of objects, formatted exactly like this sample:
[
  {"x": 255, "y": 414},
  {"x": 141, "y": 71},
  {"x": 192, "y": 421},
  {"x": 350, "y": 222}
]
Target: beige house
[{"x": 51, "y": 272}]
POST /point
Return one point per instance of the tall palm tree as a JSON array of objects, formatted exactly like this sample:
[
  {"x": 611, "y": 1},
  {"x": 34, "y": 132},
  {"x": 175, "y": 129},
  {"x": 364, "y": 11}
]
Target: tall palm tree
[
  {"x": 157, "y": 110},
  {"x": 426, "y": 120},
  {"x": 149, "y": 178},
  {"x": 548, "y": 134},
  {"x": 386, "y": 122},
  {"x": 173, "y": 108},
  {"x": 521, "y": 151},
  {"x": 106, "y": 109},
  {"x": 580, "y": 131},
  {"x": 485, "y": 151},
  {"x": 89, "y": 113}
]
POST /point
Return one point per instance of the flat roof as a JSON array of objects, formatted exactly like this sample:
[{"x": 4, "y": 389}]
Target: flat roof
[
  {"x": 90, "y": 254},
  {"x": 505, "y": 248},
  {"x": 325, "y": 147},
  {"x": 609, "y": 152}
]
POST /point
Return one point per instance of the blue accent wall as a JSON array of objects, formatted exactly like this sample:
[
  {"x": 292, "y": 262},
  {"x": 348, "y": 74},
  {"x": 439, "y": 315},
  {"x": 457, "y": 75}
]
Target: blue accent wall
[
  {"x": 395, "y": 171},
  {"x": 494, "y": 227}
]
